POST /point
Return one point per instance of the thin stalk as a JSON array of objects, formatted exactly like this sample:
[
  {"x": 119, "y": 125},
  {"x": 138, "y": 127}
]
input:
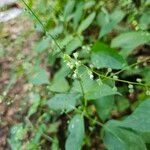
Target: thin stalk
[
  {"x": 42, "y": 25},
  {"x": 132, "y": 65}
]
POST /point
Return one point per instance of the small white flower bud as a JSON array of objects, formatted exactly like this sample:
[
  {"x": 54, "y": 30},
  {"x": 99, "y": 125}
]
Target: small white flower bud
[
  {"x": 114, "y": 88},
  {"x": 148, "y": 92},
  {"x": 115, "y": 77},
  {"x": 109, "y": 70},
  {"x": 75, "y": 55},
  {"x": 91, "y": 76},
  {"x": 139, "y": 80},
  {"x": 130, "y": 86}
]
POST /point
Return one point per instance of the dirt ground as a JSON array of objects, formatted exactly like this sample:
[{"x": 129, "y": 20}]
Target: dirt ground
[{"x": 16, "y": 40}]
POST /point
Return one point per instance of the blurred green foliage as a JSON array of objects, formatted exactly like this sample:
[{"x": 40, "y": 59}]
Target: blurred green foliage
[{"x": 84, "y": 72}]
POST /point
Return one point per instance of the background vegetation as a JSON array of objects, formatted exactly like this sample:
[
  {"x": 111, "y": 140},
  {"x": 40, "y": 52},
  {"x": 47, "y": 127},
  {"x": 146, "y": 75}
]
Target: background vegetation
[{"x": 86, "y": 73}]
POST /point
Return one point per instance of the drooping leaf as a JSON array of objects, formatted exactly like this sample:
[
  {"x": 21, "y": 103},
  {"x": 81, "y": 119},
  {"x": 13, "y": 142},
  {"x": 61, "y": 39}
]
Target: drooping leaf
[
  {"x": 63, "y": 102},
  {"x": 116, "y": 138},
  {"x": 85, "y": 23},
  {"x": 76, "y": 133},
  {"x": 105, "y": 57},
  {"x": 130, "y": 40},
  {"x": 104, "y": 106}
]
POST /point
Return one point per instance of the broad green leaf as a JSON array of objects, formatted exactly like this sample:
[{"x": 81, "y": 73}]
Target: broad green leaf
[
  {"x": 139, "y": 120},
  {"x": 59, "y": 85},
  {"x": 73, "y": 44},
  {"x": 98, "y": 91},
  {"x": 63, "y": 102},
  {"x": 39, "y": 77},
  {"x": 104, "y": 106},
  {"x": 76, "y": 133},
  {"x": 59, "y": 79},
  {"x": 105, "y": 57},
  {"x": 130, "y": 40},
  {"x": 86, "y": 23},
  {"x": 69, "y": 8},
  {"x": 78, "y": 14},
  {"x": 114, "y": 19},
  {"x": 116, "y": 138},
  {"x": 92, "y": 89}
]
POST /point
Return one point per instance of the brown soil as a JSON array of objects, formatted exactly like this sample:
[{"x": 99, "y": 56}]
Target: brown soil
[{"x": 13, "y": 91}]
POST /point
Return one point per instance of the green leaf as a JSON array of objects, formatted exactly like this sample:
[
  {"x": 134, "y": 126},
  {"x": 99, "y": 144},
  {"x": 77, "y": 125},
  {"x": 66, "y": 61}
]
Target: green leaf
[
  {"x": 105, "y": 57},
  {"x": 63, "y": 102},
  {"x": 144, "y": 22},
  {"x": 56, "y": 85},
  {"x": 114, "y": 19},
  {"x": 139, "y": 120},
  {"x": 86, "y": 23},
  {"x": 92, "y": 89},
  {"x": 35, "y": 98},
  {"x": 104, "y": 106},
  {"x": 17, "y": 134},
  {"x": 73, "y": 44},
  {"x": 89, "y": 4},
  {"x": 78, "y": 14},
  {"x": 59, "y": 79},
  {"x": 130, "y": 40},
  {"x": 76, "y": 133},
  {"x": 116, "y": 138},
  {"x": 68, "y": 8},
  {"x": 39, "y": 77}
]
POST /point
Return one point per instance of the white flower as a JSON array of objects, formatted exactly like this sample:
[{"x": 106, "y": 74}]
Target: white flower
[
  {"x": 148, "y": 93},
  {"x": 70, "y": 65},
  {"x": 91, "y": 66},
  {"x": 109, "y": 70},
  {"x": 75, "y": 55},
  {"x": 139, "y": 80},
  {"x": 74, "y": 75},
  {"x": 130, "y": 86},
  {"x": 115, "y": 77},
  {"x": 91, "y": 76}
]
